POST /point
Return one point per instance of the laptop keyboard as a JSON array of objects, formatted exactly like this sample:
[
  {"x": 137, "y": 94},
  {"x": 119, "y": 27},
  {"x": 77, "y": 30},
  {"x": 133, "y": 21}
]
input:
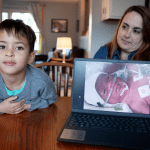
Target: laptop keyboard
[{"x": 110, "y": 122}]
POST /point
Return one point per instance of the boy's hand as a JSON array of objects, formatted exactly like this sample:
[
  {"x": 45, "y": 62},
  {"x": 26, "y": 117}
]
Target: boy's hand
[
  {"x": 27, "y": 106},
  {"x": 9, "y": 106}
]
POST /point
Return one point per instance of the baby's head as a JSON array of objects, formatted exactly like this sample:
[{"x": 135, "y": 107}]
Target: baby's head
[
  {"x": 20, "y": 29},
  {"x": 108, "y": 88},
  {"x": 102, "y": 89}
]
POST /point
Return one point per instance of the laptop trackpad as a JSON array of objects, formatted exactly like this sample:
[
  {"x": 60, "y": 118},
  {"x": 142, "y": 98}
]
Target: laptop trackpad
[
  {"x": 72, "y": 134},
  {"x": 106, "y": 138}
]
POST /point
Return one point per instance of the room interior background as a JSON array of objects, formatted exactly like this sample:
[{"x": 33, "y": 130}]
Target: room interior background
[{"x": 92, "y": 32}]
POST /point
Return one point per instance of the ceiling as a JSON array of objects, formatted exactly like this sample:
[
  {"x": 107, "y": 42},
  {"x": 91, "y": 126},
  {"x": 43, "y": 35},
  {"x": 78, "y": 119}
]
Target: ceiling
[
  {"x": 22, "y": 4},
  {"x": 67, "y": 1}
]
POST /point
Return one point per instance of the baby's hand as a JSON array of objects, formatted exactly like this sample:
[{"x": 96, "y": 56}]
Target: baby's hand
[{"x": 9, "y": 106}]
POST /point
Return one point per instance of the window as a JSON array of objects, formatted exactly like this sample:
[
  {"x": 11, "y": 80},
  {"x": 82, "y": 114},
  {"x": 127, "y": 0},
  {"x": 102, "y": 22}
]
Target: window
[
  {"x": 27, "y": 18},
  {"x": 4, "y": 15}
]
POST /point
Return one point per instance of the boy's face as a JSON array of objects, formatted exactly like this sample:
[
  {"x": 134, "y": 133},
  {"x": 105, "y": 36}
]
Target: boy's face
[{"x": 14, "y": 54}]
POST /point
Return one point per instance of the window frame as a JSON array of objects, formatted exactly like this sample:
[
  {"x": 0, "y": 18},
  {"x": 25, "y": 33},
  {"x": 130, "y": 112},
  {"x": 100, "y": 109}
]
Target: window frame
[{"x": 10, "y": 11}]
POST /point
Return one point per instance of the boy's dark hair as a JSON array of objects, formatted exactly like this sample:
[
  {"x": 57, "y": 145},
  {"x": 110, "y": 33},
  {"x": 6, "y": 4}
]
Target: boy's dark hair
[{"x": 10, "y": 25}]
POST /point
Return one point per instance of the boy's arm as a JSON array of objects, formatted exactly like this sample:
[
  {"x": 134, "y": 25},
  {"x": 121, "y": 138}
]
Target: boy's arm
[{"x": 46, "y": 97}]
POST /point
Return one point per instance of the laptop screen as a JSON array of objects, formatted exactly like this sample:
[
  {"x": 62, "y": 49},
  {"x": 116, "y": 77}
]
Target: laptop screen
[{"x": 113, "y": 86}]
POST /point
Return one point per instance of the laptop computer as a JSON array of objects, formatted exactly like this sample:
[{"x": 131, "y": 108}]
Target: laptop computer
[{"x": 110, "y": 104}]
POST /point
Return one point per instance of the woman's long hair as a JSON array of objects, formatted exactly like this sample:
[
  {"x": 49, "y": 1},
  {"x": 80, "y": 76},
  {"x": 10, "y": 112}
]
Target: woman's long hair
[{"x": 143, "y": 53}]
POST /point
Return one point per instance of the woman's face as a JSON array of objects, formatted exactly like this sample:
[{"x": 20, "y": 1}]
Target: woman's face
[
  {"x": 104, "y": 84},
  {"x": 130, "y": 35}
]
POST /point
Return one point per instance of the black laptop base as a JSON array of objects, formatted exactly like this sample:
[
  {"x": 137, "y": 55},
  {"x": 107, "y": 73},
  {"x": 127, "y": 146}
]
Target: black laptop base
[{"x": 103, "y": 135}]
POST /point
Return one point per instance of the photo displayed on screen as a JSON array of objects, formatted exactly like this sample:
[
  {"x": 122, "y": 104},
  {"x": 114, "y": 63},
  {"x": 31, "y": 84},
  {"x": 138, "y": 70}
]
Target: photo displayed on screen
[{"x": 119, "y": 87}]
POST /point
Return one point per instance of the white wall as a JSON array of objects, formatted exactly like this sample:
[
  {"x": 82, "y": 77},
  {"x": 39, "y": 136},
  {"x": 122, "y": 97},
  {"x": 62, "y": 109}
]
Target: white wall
[
  {"x": 82, "y": 16},
  {"x": 102, "y": 31},
  {"x": 54, "y": 10}
]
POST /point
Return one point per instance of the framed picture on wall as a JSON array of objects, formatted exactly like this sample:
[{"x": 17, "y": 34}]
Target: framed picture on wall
[{"x": 59, "y": 25}]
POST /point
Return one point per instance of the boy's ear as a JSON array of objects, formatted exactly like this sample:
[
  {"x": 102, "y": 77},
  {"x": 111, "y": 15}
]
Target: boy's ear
[{"x": 31, "y": 58}]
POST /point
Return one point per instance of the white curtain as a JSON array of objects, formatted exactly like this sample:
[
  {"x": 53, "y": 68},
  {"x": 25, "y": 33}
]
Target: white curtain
[{"x": 35, "y": 9}]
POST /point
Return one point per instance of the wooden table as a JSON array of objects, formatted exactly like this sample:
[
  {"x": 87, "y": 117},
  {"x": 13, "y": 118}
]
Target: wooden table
[{"x": 39, "y": 129}]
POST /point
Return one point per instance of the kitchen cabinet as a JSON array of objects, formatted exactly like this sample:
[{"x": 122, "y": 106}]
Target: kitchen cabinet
[{"x": 114, "y": 9}]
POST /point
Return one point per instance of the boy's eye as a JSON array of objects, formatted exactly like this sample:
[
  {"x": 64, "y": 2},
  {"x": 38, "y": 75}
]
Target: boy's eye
[
  {"x": 2, "y": 47},
  {"x": 19, "y": 48}
]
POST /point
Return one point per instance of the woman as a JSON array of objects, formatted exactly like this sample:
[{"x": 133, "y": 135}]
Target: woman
[{"x": 131, "y": 39}]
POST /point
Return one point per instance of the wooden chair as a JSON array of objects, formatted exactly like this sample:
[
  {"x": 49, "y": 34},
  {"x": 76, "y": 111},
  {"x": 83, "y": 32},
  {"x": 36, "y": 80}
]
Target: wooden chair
[
  {"x": 62, "y": 79},
  {"x": 58, "y": 59}
]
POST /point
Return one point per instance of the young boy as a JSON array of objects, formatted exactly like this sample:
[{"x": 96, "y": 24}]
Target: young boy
[{"x": 22, "y": 87}]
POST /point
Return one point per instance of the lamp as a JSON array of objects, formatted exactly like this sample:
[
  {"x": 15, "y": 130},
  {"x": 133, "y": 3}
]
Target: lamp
[{"x": 64, "y": 43}]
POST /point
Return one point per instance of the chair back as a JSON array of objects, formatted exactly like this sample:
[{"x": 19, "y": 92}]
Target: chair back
[{"x": 61, "y": 74}]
